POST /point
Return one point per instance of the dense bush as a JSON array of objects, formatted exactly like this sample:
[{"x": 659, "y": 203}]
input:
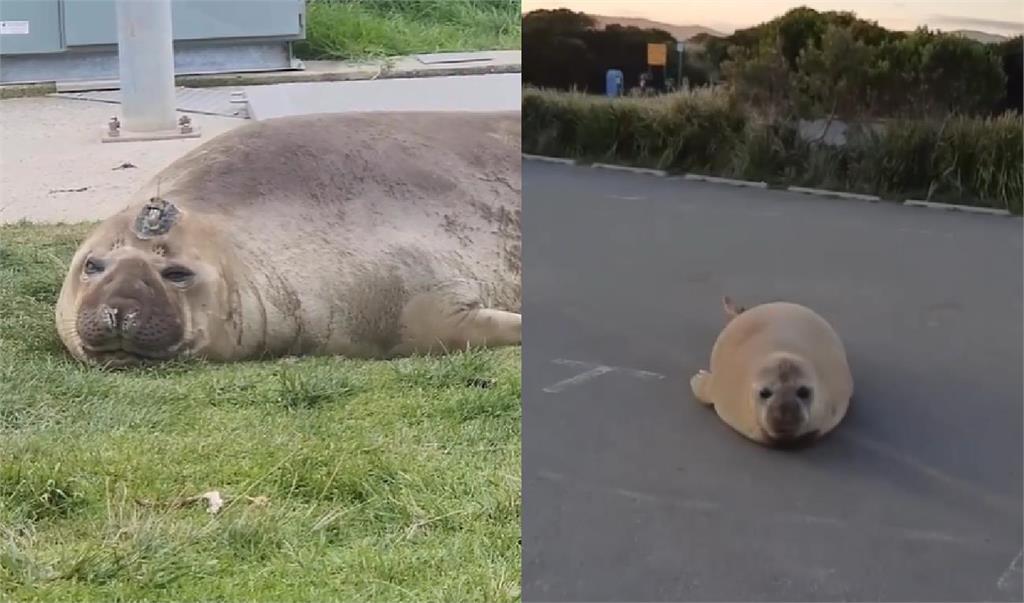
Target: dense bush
[{"x": 966, "y": 160}]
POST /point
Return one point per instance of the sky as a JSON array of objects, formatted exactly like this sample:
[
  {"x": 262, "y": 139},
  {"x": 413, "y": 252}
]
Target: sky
[{"x": 992, "y": 16}]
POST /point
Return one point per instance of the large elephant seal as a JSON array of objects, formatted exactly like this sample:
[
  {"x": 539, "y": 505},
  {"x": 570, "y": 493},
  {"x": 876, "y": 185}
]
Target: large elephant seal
[
  {"x": 363, "y": 235},
  {"x": 779, "y": 374}
]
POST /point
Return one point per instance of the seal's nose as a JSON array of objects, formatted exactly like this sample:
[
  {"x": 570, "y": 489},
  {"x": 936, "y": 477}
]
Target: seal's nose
[
  {"x": 785, "y": 413},
  {"x": 119, "y": 316}
]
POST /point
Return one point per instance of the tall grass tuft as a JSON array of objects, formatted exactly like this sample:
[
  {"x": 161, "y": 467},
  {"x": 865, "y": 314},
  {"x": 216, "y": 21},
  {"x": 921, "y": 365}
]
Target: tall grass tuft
[
  {"x": 684, "y": 131},
  {"x": 361, "y": 29}
]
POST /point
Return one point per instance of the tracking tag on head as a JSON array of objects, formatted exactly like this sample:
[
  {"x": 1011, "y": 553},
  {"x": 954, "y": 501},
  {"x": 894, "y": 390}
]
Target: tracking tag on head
[{"x": 155, "y": 218}]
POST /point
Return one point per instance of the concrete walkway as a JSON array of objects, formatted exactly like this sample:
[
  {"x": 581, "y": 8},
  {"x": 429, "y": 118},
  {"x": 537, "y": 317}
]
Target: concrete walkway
[{"x": 53, "y": 167}]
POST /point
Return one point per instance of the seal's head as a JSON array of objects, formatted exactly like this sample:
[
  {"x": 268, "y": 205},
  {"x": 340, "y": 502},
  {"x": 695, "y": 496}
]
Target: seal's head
[
  {"x": 132, "y": 289},
  {"x": 783, "y": 394}
]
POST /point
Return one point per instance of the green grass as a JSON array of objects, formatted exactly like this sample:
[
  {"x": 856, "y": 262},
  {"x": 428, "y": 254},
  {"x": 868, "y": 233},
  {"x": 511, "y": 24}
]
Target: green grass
[
  {"x": 386, "y": 481},
  {"x": 966, "y": 160},
  {"x": 361, "y": 29}
]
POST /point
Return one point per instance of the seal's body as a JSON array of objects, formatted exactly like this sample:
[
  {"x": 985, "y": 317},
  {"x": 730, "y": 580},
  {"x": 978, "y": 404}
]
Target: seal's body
[
  {"x": 364, "y": 235},
  {"x": 779, "y": 374}
]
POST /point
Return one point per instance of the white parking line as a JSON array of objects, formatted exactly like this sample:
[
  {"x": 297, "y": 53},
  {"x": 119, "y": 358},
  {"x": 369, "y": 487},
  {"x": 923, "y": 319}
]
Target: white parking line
[
  {"x": 593, "y": 370},
  {"x": 1015, "y": 569}
]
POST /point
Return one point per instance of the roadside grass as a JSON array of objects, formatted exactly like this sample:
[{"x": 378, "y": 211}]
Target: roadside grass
[
  {"x": 363, "y": 29},
  {"x": 366, "y": 481}
]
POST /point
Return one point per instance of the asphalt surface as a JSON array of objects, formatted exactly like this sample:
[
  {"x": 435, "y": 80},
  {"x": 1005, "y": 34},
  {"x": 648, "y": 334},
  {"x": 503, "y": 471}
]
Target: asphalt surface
[{"x": 632, "y": 491}]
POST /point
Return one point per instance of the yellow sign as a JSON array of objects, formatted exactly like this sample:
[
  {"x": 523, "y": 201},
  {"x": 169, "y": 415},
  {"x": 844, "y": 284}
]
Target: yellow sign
[{"x": 656, "y": 54}]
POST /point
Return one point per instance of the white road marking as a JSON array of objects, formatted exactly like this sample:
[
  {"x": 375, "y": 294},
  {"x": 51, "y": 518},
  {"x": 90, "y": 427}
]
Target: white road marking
[
  {"x": 593, "y": 370},
  {"x": 632, "y": 371},
  {"x": 825, "y": 521},
  {"x": 1015, "y": 568},
  {"x": 966, "y": 488},
  {"x": 597, "y": 371}
]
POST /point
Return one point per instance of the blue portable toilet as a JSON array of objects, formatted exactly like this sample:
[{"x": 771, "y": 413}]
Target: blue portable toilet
[{"x": 613, "y": 82}]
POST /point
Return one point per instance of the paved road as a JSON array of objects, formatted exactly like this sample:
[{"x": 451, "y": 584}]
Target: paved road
[{"x": 634, "y": 492}]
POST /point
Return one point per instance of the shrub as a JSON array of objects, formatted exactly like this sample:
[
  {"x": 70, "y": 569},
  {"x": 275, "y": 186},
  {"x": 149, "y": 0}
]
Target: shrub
[{"x": 966, "y": 160}]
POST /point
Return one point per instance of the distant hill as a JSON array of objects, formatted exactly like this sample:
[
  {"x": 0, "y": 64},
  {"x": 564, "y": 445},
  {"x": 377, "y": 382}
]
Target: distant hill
[
  {"x": 679, "y": 32},
  {"x": 980, "y": 36},
  {"x": 686, "y": 32}
]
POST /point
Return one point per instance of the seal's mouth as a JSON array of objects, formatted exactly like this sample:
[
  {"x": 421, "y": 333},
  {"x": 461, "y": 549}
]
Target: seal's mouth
[
  {"x": 793, "y": 439},
  {"x": 782, "y": 431},
  {"x": 120, "y": 357}
]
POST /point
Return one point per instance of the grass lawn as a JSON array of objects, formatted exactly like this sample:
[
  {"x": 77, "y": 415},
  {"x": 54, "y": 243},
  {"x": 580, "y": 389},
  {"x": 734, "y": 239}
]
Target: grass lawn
[
  {"x": 360, "y": 29},
  {"x": 394, "y": 481}
]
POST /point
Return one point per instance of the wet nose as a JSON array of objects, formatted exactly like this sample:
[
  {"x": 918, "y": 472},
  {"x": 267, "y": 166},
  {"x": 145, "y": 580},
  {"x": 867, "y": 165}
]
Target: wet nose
[
  {"x": 119, "y": 315},
  {"x": 786, "y": 412}
]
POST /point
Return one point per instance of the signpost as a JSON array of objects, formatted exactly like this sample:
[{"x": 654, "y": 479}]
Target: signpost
[
  {"x": 679, "y": 50},
  {"x": 656, "y": 55}
]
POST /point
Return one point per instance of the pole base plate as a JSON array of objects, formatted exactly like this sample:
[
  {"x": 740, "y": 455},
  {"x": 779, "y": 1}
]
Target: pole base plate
[{"x": 129, "y": 136}]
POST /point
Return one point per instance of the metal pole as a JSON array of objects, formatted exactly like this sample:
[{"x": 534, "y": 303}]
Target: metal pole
[
  {"x": 679, "y": 78},
  {"x": 145, "y": 53}
]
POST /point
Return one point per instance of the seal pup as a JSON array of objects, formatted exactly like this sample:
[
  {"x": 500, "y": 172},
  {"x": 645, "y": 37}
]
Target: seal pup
[
  {"x": 374, "y": 235},
  {"x": 779, "y": 374}
]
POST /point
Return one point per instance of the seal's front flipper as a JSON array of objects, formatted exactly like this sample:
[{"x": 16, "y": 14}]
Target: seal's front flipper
[
  {"x": 484, "y": 327},
  {"x": 701, "y": 386},
  {"x": 731, "y": 309},
  {"x": 431, "y": 325}
]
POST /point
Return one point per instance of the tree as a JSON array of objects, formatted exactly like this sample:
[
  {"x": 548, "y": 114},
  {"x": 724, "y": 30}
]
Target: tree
[
  {"x": 834, "y": 78},
  {"x": 564, "y": 49},
  {"x": 762, "y": 80},
  {"x": 799, "y": 29},
  {"x": 961, "y": 75},
  {"x": 556, "y": 22},
  {"x": 555, "y": 52},
  {"x": 895, "y": 88},
  {"x": 1012, "y": 56}
]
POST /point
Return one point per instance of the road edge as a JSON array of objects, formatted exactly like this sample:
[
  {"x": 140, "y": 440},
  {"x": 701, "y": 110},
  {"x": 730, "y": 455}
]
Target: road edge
[{"x": 818, "y": 192}]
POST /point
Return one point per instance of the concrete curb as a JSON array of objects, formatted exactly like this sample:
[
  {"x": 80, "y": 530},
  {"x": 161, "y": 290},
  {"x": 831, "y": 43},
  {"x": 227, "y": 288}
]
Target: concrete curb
[
  {"x": 285, "y": 77},
  {"x": 820, "y": 192},
  {"x": 827, "y": 193},
  {"x": 950, "y": 207},
  {"x": 546, "y": 159},
  {"x": 626, "y": 168},
  {"x": 349, "y": 74},
  {"x": 729, "y": 181}
]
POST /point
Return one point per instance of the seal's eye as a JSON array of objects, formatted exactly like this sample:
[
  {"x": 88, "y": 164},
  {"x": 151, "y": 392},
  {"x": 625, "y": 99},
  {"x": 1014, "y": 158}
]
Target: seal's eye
[
  {"x": 803, "y": 392},
  {"x": 765, "y": 393},
  {"x": 177, "y": 274},
  {"x": 92, "y": 266}
]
